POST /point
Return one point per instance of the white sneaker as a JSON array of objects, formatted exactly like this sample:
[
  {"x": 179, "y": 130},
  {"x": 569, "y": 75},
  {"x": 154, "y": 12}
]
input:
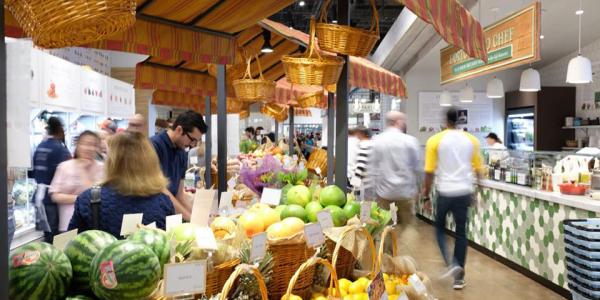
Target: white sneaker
[
  {"x": 453, "y": 271},
  {"x": 459, "y": 284}
]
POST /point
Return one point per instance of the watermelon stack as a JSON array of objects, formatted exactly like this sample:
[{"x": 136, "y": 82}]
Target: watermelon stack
[
  {"x": 81, "y": 251},
  {"x": 38, "y": 271},
  {"x": 125, "y": 270},
  {"x": 156, "y": 240}
]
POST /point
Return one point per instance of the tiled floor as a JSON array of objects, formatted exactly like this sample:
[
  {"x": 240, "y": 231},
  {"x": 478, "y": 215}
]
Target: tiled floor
[{"x": 486, "y": 278}]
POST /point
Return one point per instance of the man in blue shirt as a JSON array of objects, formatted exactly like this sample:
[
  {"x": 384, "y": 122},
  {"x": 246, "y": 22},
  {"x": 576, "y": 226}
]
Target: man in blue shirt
[
  {"x": 48, "y": 155},
  {"x": 171, "y": 146}
]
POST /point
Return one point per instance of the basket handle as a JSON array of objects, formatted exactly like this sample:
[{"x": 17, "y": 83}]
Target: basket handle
[
  {"x": 239, "y": 270},
  {"x": 324, "y": 10},
  {"x": 387, "y": 230},
  {"x": 374, "y": 15},
  {"x": 333, "y": 281},
  {"x": 311, "y": 41},
  {"x": 365, "y": 232}
]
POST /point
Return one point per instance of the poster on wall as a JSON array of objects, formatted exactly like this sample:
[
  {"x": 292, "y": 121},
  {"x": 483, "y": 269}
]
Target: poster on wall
[
  {"x": 120, "y": 99},
  {"x": 475, "y": 117},
  {"x": 60, "y": 84},
  {"x": 93, "y": 92},
  {"x": 18, "y": 89}
]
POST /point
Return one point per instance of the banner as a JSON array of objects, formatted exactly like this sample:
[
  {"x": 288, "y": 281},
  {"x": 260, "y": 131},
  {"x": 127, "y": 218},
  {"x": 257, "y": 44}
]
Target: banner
[
  {"x": 60, "y": 83},
  {"x": 121, "y": 99},
  {"x": 93, "y": 91}
]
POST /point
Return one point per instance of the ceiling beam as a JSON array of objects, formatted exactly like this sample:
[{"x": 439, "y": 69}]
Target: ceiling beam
[
  {"x": 201, "y": 16},
  {"x": 143, "y": 6},
  {"x": 160, "y": 20}
]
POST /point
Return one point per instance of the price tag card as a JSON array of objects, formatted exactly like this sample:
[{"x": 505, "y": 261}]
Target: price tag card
[
  {"x": 172, "y": 221},
  {"x": 194, "y": 160},
  {"x": 365, "y": 211},
  {"x": 394, "y": 212},
  {"x": 60, "y": 241},
  {"x": 203, "y": 204},
  {"x": 417, "y": 284},
  {"x": 270, "y": 196},
  {"x": 314, "y": 235},
  {"x": 231, "y": 183},
  {"x": 205, "y": 239},
  {"x": 403, "y": 296},
  {"x": 130, "y": 223},
  {"x": 151, "y": 225},
  {"x": 225, "y": 202},
  {"x": 325, "y": 220},
  {"x": 185, "y": 278},
  {"x": 259, "y": 246}
]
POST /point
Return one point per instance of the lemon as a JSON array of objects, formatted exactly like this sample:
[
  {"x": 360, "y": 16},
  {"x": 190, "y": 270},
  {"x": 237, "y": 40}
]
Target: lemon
[
  {"x": 316, "y": 296},
  {"x": 344, "y": 284},
  {"x": 292, "y": 297},
  {"x": 386, "y": 277},
  {"x": 393, "y": 297},
  {"x": 363, "y": 296},
  {"x": 347, "y": 297},
  {"x": 321, "y": 298},
  {"x": 390, "y": 288},
  {"x": 356, "y": 288},
  {"x": 364, "y": 281}
]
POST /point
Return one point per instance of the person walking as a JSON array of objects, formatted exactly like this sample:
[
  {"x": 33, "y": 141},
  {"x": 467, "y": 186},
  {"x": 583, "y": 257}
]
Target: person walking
[
  {"x": 170, "y": 146},
  {"x": 46, "y": 158},
  {"x": 452, "y": 157},
  {"x": 360, "y": 178}
]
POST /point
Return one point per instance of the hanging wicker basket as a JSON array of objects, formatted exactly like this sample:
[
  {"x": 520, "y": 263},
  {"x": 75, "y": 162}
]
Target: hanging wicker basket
[
  {"x": 311, "y": 100},
  {"x": 317, "y": 159},
  {"x": 344, "y": 39},
  {"x": 312, "y": 68},
  {"x": 276, "y": 111},
  {"x": 58, "y": 23},
  {"x": 252, "y": 90}
]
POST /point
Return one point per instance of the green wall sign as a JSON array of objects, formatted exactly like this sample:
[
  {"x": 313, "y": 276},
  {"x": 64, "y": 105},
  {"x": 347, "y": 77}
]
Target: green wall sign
[{"x": 493, "y": 57}]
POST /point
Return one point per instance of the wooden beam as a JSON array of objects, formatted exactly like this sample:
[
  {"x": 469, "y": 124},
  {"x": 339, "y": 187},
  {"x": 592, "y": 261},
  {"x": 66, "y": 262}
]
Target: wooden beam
[{"x": 159, "y": 20}]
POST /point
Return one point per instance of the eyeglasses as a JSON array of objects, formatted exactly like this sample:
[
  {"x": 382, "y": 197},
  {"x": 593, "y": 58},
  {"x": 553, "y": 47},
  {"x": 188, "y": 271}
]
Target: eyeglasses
[{"x": 192, "y": 139}]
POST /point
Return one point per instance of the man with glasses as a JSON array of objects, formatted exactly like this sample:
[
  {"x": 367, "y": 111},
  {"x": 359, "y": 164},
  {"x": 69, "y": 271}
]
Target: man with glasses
[{"x": 171, "y": 147}]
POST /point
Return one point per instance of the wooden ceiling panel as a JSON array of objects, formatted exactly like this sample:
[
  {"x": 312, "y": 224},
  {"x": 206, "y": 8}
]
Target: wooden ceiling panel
[
  {"x": 181, "y": 11},
  {"x": 233, "y": 16}
]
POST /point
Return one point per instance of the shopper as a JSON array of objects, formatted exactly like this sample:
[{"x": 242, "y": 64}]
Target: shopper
[
  {"x": 47, "y": 156},
  {"x": 133, "y": 184},
  {"x": 170, "y": 146},
  {"x": 496, "y": 150},
  {"x": 494, "y": 142},
  {"x": 137, "y": 123},
  {"x": 248, "y": 144},
  {"x": 360, "y": 178},
  {"x": 352, "y": 150},
  {"x": 452, "y": 157},
  {"x": 75, "y": 176}
]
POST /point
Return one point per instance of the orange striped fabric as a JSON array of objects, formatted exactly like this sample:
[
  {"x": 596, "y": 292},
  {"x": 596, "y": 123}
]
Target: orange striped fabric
[
  {"x": 196, "y": 103},
  {"x": 286, "y": 94},
  {"x": 172, "y": 80}
]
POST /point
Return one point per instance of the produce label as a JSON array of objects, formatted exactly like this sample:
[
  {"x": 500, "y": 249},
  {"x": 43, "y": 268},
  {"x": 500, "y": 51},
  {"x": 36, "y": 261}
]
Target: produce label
[
  {"x": 60, "y": 241},
  {"x": 172, "y": 221},
  {"x": 26, "y": 258},
  {"x": 185, "y": 278},
  {"x": 203, "y": 203},
  {"x": 108, "y": 278},
  {"x": 130, "y": 223},
  {"x": 205, "y": 239},
  {"x": 314, "y": 235},
  {"x": 324, "y": 218},
  {"x": 270, "y": 196},
  {"x": 259, "y": 246},
  {"x": 225, "y": 202}
]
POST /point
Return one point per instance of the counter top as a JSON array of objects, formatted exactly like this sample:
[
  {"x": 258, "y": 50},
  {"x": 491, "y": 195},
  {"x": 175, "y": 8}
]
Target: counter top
[{"x": 582, "y": 202}]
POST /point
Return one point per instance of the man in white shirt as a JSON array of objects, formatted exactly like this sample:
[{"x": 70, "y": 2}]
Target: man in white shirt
[{"x": 352, "y": 149}]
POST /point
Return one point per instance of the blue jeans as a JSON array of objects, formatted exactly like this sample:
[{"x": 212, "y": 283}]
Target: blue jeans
[{"x": 459, "y": 207}]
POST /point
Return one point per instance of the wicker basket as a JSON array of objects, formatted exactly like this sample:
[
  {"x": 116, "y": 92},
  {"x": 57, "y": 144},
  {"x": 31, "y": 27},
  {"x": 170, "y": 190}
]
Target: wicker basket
[
  {"x": 58, "y": 23},
  {"x": 239, "y": 270},
  {"x": 286, "y": 261},
  {"x": 343, "y": 260},
  {"x": 215, "y": 280},
  {"x": 317, "y": 159},
  {"x": 252, "y": 90},
  {"x": 311, "y": 68},
  {"x": 344, "y": 39},
  {"x": 308, "y": 267},
  {"x": 311, "y": 100},
  {"x": 387, "y": 230},
  {"x": 276, "y": 111}
]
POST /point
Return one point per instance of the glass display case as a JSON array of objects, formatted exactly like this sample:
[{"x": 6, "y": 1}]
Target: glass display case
[{"x": 21, "y": 196}]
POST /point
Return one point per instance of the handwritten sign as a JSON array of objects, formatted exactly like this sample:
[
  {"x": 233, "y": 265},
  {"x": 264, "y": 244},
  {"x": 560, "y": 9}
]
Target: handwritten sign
[
  {"x": 203, "y": 203},
  {"x": 60, "y": 241},
  {"x": 314, "y": 235},
  {"x": 270, "y": 196},
  {"x": 259, "y": 246},
  {"x": 185, "y": 278},
  {"x": 324, "y": 218},
  {"x": 173, "y": 221},
  {"x": 130, "y": 223}
]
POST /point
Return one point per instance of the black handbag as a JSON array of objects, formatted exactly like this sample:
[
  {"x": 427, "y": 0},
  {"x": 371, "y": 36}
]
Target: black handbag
[{"x": 95, "y": 207}]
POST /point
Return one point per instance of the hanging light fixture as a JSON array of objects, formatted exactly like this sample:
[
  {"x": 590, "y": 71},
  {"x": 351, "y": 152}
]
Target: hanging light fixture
[
  {"x": 467, "y": 94},
  {"x": 495, "y": 88},
  {"x": 580, "y": 67},
  {"x": 530, "y": 81},
  {"x": 445, "y": 98},
  {"x": 267, "y": 48}
]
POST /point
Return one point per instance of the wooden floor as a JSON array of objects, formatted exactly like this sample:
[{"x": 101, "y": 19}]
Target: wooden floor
[{"x": 486, "y": 278}]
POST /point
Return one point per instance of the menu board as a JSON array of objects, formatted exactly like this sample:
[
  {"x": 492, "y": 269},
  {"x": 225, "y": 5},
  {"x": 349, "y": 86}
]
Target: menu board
[
  {"x": 475, "y": 117},
  {"x": 93, "y": 91},
  {"x": 60, "y": 83},
  {"x": 121, "y": 99}
]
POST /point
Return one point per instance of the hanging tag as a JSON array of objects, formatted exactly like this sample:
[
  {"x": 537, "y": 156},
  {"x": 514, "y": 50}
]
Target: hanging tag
[
  {"x": 314, "y": 235},
  {"x": 173, "y": 221},
  {"x": 365, "y": 211},
  {"x": 417, "y": 284},
  {"x": 325, "y": 219},
  {"x": 185, "y": 278},
  {"x": 270, "y": 196},
  {"x": 225, "y": 202},
  {"x": 60, "y": 241},
  {"x": 205, "y": 239},
  {"x": 394, "y": 212},
  {"x": 259, "y": 246},
  {"x": 203, "y": 204},
  {"x": 130, "y": 222}
]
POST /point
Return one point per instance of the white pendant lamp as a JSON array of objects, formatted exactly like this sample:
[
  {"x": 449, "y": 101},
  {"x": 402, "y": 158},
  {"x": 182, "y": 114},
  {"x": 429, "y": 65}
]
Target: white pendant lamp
[
  {"x": 530, "y": 81},
  {"x": 446, "y": 98},
  {"x": 495, "y": 88},
  {"x": 580, "y": 67},
  {"x": 467, "y": 94}
]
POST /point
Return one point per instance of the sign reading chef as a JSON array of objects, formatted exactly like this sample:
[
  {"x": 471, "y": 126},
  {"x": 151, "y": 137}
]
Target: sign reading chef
[{"x": 510, "y": 42}]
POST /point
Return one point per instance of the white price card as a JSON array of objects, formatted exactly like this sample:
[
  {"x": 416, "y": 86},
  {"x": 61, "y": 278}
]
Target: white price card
[
  {"x": 365, "y": 211},
  {"x": 394, "y": 213},
  {"x": 259, "y": 246},
  {"x": 403, "y": 296},
  {"x": 205, "y": 238},
  {"x": 60, "y": 241},
  {"x": 417, "y": 284},
  {"x": 151, "y": 225},
  {"x": 271, "y": 196},
  {"x": 194, "y": 160},
  {"x": 185, "y": 278},
  {"x": 203, "y": 204},
  {"x": 225, "y": 202},
  {"x": 231, "y": 183},
  {"x": 325, "y": 219},
  {"x": 318, "y": 171},
  {"x": 314, "y": 235},
  {"x": 130, "y": 223},
  {"x": 173, "y": 221}
]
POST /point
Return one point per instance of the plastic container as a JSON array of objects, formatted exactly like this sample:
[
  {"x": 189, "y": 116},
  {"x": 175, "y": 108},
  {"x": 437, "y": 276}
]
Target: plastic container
[
  {"x": 572, "y": 189},
  {"x": 583, "y": 228},
  {"x": 584, "y": 252},
  {"x": 579, "y": 259},
  {"x": 590, "y": 244},
  {"x": 583, "y": 271}
]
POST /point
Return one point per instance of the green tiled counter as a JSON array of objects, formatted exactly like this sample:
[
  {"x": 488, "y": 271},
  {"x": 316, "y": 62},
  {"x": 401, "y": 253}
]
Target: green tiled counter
[{"x": 524, "y": 225}]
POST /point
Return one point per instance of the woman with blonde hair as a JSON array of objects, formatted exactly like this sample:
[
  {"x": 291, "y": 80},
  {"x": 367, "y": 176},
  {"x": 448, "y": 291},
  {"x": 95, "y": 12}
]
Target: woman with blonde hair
[{"x": 133, "y": 184}]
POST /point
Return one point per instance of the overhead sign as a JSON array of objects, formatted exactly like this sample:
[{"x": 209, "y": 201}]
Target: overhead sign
[{"x": 510, "y": 42}]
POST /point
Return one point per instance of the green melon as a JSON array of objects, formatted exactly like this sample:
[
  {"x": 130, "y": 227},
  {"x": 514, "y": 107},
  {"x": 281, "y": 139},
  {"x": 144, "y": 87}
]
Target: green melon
[
  {"x": 157, "y": 240},
  {"x": 80, "y": 297},
  {"x": 81, "y": 250},
  {"x": 38, "y": 271},
  {"x": 124, "y": 270}
]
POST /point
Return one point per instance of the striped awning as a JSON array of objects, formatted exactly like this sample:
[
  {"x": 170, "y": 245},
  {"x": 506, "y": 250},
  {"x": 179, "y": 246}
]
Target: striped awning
[
  {"x": 193, "y": 102},
  {"x": 287, "y": 94},
  {"x": 150, "y": 76},
  {"x": 453, "y": 22}
]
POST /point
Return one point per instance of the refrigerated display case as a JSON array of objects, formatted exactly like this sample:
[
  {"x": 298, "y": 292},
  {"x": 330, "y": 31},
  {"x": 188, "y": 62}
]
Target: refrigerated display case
[{"x": 520, "y": 129}]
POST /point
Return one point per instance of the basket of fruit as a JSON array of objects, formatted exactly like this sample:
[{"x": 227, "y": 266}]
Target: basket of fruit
[
  {"x": 342, "y": 259},
  {"x": 287, "y": 258},
  {"x": 240, "y": 270},
  {"x": 333, "y": 292}
]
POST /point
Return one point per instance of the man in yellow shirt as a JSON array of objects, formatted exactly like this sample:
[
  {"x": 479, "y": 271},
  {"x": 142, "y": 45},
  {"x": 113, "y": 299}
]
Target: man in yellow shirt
[{"x": 452, "y": 157}]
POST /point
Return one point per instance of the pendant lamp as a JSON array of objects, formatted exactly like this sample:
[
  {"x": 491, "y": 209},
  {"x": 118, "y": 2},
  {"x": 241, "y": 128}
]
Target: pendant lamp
[
  {"x": 530, "y": 81},
  {"x": 446, "y": 98},
  {"x": 467, "y": 94},
  {"x": 495, "y": 88},
  {"x": 580, "y": 67}
]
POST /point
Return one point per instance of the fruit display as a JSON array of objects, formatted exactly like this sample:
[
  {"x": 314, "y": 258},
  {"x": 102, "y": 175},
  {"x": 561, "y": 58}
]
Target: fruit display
[
  {"x": 81, "y": 250},
  {"x": 38, "y": 271},
  {"x": 287, "y": 228},
  {"x": 156, "y": 240}
]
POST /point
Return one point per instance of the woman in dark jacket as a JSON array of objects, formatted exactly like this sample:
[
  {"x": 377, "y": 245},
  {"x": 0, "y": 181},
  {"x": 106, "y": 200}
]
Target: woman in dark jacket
[{"x": 134, "y": 183}]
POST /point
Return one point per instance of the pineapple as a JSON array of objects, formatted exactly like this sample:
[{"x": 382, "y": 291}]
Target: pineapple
[{"x": 247, "y": 288}]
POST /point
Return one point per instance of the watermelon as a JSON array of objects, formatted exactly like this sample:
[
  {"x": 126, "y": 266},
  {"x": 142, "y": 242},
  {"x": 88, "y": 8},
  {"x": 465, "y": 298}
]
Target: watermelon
[
  {"x": 124, "y": 270},
  {"x": 38, "y": 271},
  {"x": 81, "y": 251},
  {"x": 80, "y": 297},
  {"x": 157, "y": 240}
]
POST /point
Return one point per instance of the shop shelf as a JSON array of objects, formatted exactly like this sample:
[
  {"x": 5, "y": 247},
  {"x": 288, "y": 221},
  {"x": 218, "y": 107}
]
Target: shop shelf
[{"x": 581, "y": 127}]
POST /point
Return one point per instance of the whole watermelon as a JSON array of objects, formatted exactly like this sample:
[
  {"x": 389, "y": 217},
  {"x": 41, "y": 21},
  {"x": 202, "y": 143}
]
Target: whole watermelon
[
  {"x": 124, "y": 270},
  {"x": 81, "y": 250},
  {"x": 80, "y": 297},
  {"x": 38, "y": 271},
  {"x": 157, "y": 240}
]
